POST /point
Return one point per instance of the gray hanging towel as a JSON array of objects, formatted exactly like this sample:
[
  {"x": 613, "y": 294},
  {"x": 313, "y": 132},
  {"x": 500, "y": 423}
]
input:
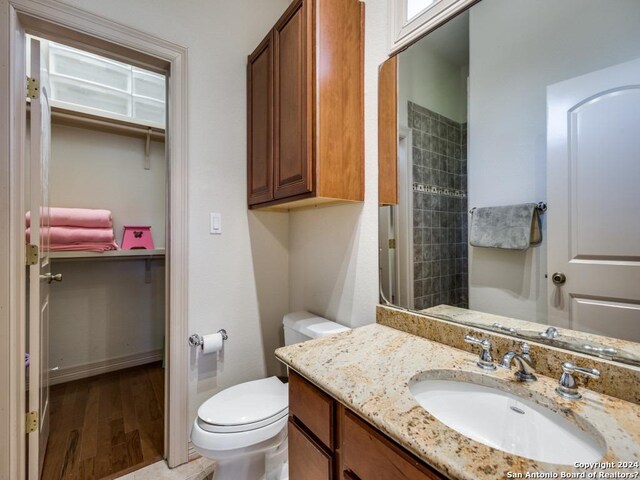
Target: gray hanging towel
[{"x": 511, "y": 227}]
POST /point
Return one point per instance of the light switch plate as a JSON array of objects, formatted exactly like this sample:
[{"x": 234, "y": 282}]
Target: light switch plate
[{"x": 215, "y": 223}]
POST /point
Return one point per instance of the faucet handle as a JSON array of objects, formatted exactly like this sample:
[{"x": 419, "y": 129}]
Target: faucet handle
[
  {"x": 525, "y": 348},
  {"x": 567, "y": 385},
  {"x": 486, "y": 360},
  {"x": 568, "y": 367},
  {"x": 551, "y": 332}
]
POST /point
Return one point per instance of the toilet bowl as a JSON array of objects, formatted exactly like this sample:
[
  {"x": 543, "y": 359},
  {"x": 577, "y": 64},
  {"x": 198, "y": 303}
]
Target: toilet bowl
[
  {"x": 240, "y": 426},
  {"x": 244, "y": 427}
]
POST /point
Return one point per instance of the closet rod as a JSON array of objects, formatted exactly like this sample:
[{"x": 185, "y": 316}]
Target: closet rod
[
  {"x": 62, "y": 116},
  {"x": 104, "y": 124}
]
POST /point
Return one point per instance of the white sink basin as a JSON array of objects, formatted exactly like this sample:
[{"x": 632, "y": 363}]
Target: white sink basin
[{"x": 506, "y": 422}]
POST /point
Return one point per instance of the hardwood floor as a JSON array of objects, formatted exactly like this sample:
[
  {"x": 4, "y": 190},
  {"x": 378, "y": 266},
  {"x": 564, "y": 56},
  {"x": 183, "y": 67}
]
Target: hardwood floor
[{"x": 106, "y": 426}]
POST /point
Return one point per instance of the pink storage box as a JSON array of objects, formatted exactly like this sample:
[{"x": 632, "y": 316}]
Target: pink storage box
[{"x": 137, "y": 237}]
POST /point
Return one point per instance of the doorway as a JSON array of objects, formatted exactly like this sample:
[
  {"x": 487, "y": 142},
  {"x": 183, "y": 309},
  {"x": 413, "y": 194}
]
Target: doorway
[
  {"x": 78, "y": 29},
  {"x": 102, "y": 214}
]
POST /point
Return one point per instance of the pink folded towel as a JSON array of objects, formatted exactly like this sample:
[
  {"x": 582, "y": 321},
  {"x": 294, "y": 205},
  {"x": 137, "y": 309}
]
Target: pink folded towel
[
  {"x": 72, "y": 235},
  {"x": 84, "y": 247},
  {"x": 77, "y": 217}
]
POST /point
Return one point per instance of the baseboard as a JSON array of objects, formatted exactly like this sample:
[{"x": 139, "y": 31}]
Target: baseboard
[
  {"x": 193, "y": 455},
  {"x": 69, "y": 374}
]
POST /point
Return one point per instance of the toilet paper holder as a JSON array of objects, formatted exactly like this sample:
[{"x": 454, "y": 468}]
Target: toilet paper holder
[{"x": 196, "y": 340}]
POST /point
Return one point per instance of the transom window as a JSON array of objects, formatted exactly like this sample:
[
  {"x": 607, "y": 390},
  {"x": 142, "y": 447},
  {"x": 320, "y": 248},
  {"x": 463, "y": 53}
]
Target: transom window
[{"x": 89, "y": 83}]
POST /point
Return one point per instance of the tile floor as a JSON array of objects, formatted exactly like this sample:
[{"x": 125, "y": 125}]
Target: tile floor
[{"x": 198, "y": 469}]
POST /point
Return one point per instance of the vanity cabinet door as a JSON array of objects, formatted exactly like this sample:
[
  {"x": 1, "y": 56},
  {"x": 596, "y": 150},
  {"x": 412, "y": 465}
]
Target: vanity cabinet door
[
  {"x": 260, "y": 123},
  {"x": 307, "y": 461},
  {"x": 293, "y": 107},
  {"x": 369, "y": 455},
  {"x": 313, "y": 408}
]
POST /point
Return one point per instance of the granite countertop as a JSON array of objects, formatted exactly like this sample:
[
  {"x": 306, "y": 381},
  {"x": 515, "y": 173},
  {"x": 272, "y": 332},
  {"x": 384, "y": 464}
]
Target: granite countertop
[{"x": 369, "y": 369}]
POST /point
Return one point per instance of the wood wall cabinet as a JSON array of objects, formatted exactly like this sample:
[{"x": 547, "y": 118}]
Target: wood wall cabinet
[
  {"x": 329, "y": 442},
  {"x": 260, "y": 97},
  {"x": 305, "y": 100}
]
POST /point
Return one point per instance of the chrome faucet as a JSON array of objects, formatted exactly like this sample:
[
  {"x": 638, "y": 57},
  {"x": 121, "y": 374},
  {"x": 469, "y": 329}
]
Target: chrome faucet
[
  {"x": 551, "y": 332},
  {"x": 567, "y": 385},
  {"x": 486, "y": 360},
  {"x": 526, "y": 366}
]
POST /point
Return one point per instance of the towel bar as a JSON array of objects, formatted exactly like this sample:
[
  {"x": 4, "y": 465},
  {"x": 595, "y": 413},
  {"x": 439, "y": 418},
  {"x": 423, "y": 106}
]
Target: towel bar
[{"x": 541, "y": 207}]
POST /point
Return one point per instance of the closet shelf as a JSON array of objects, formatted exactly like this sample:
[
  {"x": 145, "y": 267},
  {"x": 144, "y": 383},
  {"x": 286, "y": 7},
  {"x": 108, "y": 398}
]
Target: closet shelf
[
  {"x": 64, "y": 116},
  {"x": 158, "y": 253}
]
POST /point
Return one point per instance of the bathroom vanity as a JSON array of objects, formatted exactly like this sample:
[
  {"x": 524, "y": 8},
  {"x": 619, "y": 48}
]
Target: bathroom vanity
[
  {"x": 329, "y": 441},
  {"x": 357, "y": 412}
]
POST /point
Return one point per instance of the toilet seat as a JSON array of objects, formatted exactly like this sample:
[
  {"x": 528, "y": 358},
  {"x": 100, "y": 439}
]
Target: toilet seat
[
  {"x": 245, "y": 407},
  {"x": 213, "y": 428}
]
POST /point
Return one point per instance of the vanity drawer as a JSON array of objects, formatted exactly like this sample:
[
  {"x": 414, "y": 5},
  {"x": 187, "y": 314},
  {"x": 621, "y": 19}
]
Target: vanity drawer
[
  {"x": 307, "y": 461},
  {"x": 311, "y": 407},
  {"x": 369, "y": 455}
]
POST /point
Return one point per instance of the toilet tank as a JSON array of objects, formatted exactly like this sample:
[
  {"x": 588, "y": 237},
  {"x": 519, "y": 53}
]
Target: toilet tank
[{"x": 303, "y": 326}]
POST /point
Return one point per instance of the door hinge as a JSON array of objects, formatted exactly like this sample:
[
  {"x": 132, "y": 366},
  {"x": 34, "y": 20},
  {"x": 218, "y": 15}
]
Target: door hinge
[
  {"x": 33, "y": 88},
  {"x": 32, "y": 253},
  {"x": 392, "y": 243},
  {"x": 31, "y": 422}
]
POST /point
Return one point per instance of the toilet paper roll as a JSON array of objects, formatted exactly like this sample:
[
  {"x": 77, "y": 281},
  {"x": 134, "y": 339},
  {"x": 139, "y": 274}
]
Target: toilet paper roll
[{"x": 212, "y": 343}]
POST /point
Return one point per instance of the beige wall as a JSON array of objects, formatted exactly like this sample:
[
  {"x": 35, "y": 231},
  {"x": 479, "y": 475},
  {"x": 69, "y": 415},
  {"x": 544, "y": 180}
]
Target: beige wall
[
  {"x": 433, "y": 82},
  {"x": 104, "y": 310},
  {"x": 92, "y": 169},
  {"x": 334, "y": 250}
]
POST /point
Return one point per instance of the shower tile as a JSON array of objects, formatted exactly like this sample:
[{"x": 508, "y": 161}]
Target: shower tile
[{"x": 440, "y": 217}]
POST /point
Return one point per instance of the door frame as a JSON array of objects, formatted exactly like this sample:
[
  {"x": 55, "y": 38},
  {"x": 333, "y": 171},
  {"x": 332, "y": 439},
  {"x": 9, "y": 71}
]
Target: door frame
[
  {"x": 404, "y": 219},
  {"x": 51, "y": 19}
]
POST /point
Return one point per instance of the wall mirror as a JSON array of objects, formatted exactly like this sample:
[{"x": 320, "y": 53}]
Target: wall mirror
[{"x": 510, "y": 173}]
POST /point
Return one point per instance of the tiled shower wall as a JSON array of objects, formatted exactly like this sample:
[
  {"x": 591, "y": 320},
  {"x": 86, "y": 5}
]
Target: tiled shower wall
[{"x": 440, "y": 270}]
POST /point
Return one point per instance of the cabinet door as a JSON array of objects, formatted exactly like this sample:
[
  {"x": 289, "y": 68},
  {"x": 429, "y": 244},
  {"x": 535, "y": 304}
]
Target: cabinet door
[
  {"x": 260, "y": 123},
  {"x": 307, "y": 461},
  {"x": 293, "y": 109},
  {"x": 312, "y": 407},
  {"x": 388, "y": 132},
  {"x": 369, "y": 455}
]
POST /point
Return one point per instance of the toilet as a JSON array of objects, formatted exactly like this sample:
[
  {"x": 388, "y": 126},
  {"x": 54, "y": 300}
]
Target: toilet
[{"x": 244, "y": 427}]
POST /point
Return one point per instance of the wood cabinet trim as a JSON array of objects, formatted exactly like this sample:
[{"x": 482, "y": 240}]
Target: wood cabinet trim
[
  {"x": 314, "y": 463},
  {"x": 302, "y": 181},
  {"x": 407, "y": 466},
  {"x": 339, "y": 94},
  {"x": 265, "y": 193},
  {"x": 313, "y": 408}
]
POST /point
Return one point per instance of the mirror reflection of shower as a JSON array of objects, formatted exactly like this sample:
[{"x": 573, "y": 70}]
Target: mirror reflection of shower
[{"x": 432, "y": 168}]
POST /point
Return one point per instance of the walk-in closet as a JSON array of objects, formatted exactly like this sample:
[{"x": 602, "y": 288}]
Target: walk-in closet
[{"x": 103, "y": 330}]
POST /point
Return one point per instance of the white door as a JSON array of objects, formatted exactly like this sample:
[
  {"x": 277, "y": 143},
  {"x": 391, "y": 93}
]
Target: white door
[
  {"x": 593, "y": 189},
  {"x": 40, "y": 273}
]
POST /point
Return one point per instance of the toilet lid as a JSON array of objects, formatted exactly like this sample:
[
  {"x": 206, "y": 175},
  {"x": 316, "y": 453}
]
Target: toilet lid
[{"x": 246, "y": 406}]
